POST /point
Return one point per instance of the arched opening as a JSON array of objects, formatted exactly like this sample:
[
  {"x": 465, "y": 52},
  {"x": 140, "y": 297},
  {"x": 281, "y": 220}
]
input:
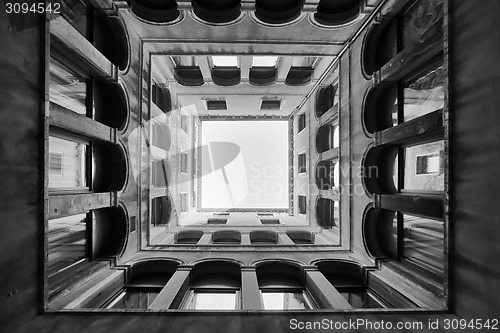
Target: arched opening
[
  {"x": 188, "y": 237},
  {"x": 347, "y": 278},
  {"x": 326, "y": 98},
  {"x": 263, "y": 237},
  {"x": 327, "y": 137},
  {"x": 301, "y": 237},
  {"x": 226, "y": 76},
  {"x": 110, "y": 104},
  {"x": 278, "y": 11},
  {"x": 109, "y": 167},
  {"x": 160, "y": 11},
  {"x": 190, "y": 76},
  {"x": 298, "y": 76},
  {"x": 161, "y": 210},
  {"x": 380, "y": 167},
  {"x": 226, "y": 237},
  {"x": 147, "y": 279},
  {"x": 111, "y": 38},
  {"x": 327, "y": 213},
  {"x": 218, "y": 11},
  {"x": 334, "y": 13},
  {"x": 263, "y": 76}
]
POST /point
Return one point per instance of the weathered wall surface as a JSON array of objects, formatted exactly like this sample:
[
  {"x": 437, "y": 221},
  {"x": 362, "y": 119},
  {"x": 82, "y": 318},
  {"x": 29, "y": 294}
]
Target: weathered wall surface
[
  {"x": 21, "y": 134},
  {"x": 475, "y": 155}
]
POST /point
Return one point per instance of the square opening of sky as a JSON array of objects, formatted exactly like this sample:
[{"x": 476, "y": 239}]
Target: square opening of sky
[{"x": 245, "y": 164}]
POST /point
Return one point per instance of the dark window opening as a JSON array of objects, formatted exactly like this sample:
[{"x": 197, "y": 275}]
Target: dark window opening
[{"x": 302, "y": 163}]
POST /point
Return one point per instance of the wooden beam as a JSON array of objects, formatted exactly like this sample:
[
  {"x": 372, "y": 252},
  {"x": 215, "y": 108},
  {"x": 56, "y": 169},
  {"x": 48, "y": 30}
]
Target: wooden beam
[
  {"x": 80, "y": 124},
  {"x": 429, "y": 126},
  {"x": 323, "y": 291},
  {"x": 65, "y": 38},
  {"x": 72, "y": 204},
  {"x": 425, "y": 205}
]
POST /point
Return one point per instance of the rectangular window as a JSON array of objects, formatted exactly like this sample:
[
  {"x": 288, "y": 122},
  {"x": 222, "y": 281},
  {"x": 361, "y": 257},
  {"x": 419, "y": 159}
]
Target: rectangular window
[
  {"x": 269, "y": 221},
  {"x": 302, "y": 163},
  {"x": 184, "y": 162},
  {"x": 216, "y": 221},
  {"x": 55, "y": 163},
  {"x": 184, "y": 123},
  {"x": 286, "y": 300},
  {"x": 225, "y": 61},
  {"x": 184, "y": 203},
  {"x": 198, "y": 299},
  {"x": 67, "y": 242},
  {"x": 424, "y": 169},
  {"x": 302, "y": 122},
  {"x": 302, "y": 204},
  {"x": 270, "y": 104},
  {"x": 68, "y": 164},
  {"x": 216, "y": 104},
  {"x": 67, "y": 88}
]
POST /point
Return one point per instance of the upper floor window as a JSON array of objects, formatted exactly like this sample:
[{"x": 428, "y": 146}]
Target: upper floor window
[
  {"x": 302, "y": 204},
  {"x": 281, "y": 288},
  {"x": 261, "y": 61},
  {"x": 302, "y": 163},
  {"x": 184, "y": 162},
  {"x": 214, "y": 286},
  {"x": 302, "y": 122}
]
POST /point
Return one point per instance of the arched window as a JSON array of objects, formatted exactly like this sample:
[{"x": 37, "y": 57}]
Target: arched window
[
  {"x": 413, "y": 36},
  {"x": 405, "y": 170},
  {"x": 146, "y": 281},
  {"x": 278, "y": 11},
  {"x": 106, "y": 32},
  {"x": 282, "y": 288},
  {"x": 221, "y": 11},
  {"x": 263, "y": 237},
  {"x": 301, "y": 237},
  {"x": 326, "y": 98},
  {"x": 86, "y": 168},
  {"x": 337, "y": 12},
  {"x": 214, "y": 285},
  {"x": 189, "y": 76},
  {"x": 417, "y": 242},
  {"x": 327, "y": 137},
  {"x": 347, "y": 278}
]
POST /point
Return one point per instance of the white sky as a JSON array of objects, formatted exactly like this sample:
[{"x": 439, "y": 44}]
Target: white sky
[{"x": 258, "y": 176}]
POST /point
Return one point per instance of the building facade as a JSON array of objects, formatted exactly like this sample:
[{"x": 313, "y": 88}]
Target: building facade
[{"x": 250, "y": 165}]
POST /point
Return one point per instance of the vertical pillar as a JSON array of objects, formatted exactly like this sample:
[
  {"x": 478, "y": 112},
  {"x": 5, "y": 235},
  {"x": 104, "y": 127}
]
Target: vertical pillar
[
  {"x": 323, "y": 291},
  {"x": 245, "y": 64},
  {"x": 250, "y": 293},
  {"x": 174, "y": 290},
  {"x": 205, "y": 239},
  {"x": 284, "y": 239},
  {"x": 245, "y": 239}
]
